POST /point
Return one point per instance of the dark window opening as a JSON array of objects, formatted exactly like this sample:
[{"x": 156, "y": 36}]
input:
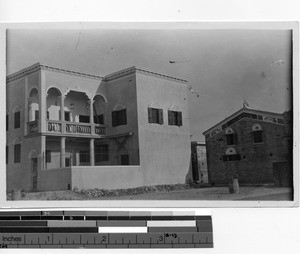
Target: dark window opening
[
  {"x": 84, "y": 119},
  {"x": 67, "y": 162},
  {"x": 125, "y": 159},
  {"x": 17, "y": 153},
  {"x": 175, "y": 118},
  {"x": 67, "y": 116},
  {"x": 257, "y": 137},
  {"x": 48, "y": 156},
  {"x": 99, "y": 119},
  {"x": 101, "y": 153},
  {"x": 119, "y": 117},
  {"x": 155, "y": 115},
  {"x": 7, "y": 124},
  {"x": 231, "y": 157},
  {"x": 36, "y": 115},
  {"x": 6, "y": 154},
  {"x": 17, "y": 119},
  {"x": 47, "y": 115},
  {"x": 230, "y": 139}
]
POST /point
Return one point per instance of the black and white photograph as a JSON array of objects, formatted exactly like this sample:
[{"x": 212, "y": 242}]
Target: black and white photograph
[{"x": 150, "y": 113}]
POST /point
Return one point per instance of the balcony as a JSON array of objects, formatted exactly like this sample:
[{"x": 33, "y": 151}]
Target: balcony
[{"x": 59, "y": 127}]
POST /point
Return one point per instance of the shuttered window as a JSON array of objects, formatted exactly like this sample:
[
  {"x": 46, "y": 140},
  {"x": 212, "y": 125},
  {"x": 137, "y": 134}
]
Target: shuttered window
[
  {"x": 6, "y": 154},
  {"x": 17, "y": 153},
  {"x": 155, "y": 115},
  {"x": 17, "y": 119},
  {"x": 119, "y": 117},
  {"x": 175, "y": 118}
]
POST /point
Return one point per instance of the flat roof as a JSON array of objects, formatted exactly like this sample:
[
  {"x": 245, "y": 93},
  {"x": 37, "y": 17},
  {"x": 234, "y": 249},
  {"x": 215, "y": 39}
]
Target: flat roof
[{"x": 38, "y": 66}]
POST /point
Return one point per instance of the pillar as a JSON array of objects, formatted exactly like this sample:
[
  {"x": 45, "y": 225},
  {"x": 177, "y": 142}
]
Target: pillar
[
  {"x": 62, "y": 108},
  {"x": 92, "y": 152},
  {"x": 62, "y": 151},
  {"x": 91, "y": 111}
]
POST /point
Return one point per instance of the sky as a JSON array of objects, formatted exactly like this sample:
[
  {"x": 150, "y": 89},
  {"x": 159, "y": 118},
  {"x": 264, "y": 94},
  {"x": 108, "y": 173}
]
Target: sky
[{"x": 224, "y": 67}]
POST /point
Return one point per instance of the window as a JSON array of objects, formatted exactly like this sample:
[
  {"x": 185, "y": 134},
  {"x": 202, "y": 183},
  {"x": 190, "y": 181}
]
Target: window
[
  {"x": 119, "y": 117},
  {"x": 99, "y": 119},
  {"x": 17, "y": 119},
  {"x": 6, "y": 154},
  {"x": 47, "y": 115},
  {"x": 230, "y": 137},
  {"x": 17, "y": 153},
  {"x": 231, "y": 157},
  {"x": 48, "y": 156},
  {"x": 36, "y": 115},
  {"x": 84, "y": 119},
  {"x": 67, "y": 116},
  {"x": 257, "y": 133},
  {"x": 7, "y": 123},
  {"x": 175, "y": 118},
  {"x": 84, "y": 156},
  {"x": 155, "y": 115},
  {"x": 101, "y": 153},
  {"x": 124, "y": 159},
  {"x": 257, "y": 137}
]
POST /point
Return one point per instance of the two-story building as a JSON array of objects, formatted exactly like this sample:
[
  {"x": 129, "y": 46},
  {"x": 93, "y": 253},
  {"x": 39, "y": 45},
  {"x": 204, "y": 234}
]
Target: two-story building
[
  {"x": 246, "y": 145},
  {"x": 66, "y": 129}
]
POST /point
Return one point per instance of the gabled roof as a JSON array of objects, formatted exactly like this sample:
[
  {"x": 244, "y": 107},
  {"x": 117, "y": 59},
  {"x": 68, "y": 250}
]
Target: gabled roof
[{"x": 266, "y": 116}]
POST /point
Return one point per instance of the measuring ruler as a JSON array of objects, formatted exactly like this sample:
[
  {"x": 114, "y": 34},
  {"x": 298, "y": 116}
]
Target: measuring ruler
[{"x": 104, "y": 229}]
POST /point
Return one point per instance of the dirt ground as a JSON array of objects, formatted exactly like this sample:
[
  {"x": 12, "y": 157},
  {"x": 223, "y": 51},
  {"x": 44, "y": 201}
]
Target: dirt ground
[{"x": 212, "y": 193}]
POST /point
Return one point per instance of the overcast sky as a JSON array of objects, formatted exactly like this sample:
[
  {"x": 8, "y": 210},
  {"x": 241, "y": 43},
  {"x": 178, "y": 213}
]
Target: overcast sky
[{"x": 225, "y": 67}]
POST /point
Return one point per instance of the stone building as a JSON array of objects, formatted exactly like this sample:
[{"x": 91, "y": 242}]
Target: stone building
[
  {"x": 68, "y": 129},
  {"x": 245, "y": 145}
]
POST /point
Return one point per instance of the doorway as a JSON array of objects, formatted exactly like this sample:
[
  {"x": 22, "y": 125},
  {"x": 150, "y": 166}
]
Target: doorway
[{"x": 34, "y": 173}]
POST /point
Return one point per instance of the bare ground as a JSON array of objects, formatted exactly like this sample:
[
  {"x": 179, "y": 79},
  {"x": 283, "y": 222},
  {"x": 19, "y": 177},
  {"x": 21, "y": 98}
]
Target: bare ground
[{"x": 212, "y": 193}]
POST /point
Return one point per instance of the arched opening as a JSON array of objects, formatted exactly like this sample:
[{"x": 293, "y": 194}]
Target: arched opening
[
  {"x": 77, "y": 107},
  {"x": 33, "y": 105},
  {"x": 99, "y": 109},
  {"x": 53, "y": 104},
  {"x": 230, "y": 137}
]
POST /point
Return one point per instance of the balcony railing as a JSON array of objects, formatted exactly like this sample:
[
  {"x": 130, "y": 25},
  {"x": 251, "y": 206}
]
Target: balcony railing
[
  {"x": 33, "y": 127},
  {"x": 78, "y": 128},
  {"x": 55, "y": 127},
  {"x": 100, "y": 130},
  {"x": 75, "y": 128}
]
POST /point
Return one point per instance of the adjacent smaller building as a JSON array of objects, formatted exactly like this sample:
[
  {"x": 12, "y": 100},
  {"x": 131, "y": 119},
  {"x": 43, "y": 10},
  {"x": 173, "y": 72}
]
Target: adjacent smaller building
[{"x": 246, "y": 145}]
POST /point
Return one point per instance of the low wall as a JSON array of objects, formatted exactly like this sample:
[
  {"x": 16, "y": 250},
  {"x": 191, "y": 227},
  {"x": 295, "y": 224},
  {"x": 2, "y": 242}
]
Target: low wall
[
  {"x": 106, "y": 177},
  {"x": 54, "y": 179}
]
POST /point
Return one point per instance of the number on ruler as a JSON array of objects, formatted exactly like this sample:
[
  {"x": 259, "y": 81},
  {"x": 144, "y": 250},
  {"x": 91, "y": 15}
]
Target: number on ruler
[
  {"x": 171, "y": 235},
  {"x": 160, "y": 238}
]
